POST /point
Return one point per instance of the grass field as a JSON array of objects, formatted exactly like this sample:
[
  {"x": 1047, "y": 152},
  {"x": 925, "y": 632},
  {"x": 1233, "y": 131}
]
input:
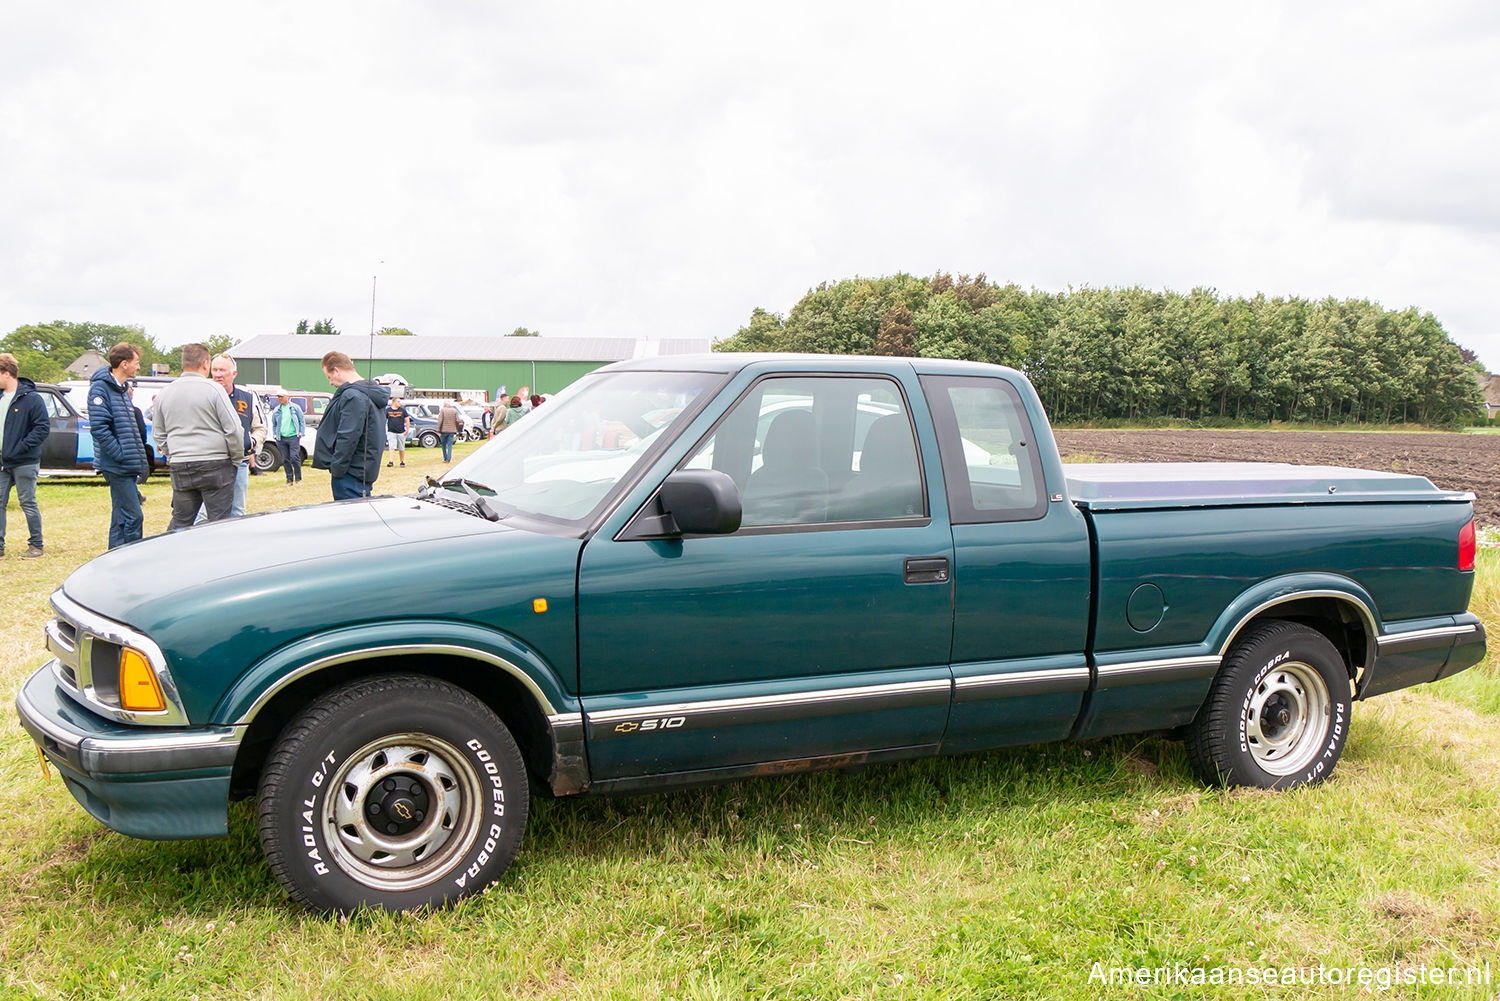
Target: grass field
[{"x": 1002, "y": 875}]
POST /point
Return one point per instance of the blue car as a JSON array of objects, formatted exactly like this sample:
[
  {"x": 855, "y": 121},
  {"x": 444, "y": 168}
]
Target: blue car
[{"x": 69, "y": 447}]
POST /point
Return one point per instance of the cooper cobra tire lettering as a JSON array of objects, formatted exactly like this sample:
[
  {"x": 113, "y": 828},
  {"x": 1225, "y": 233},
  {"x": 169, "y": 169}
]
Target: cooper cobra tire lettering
[
  {"x": 1277, "y": 715},
  {"x": 396, "y": 792}
]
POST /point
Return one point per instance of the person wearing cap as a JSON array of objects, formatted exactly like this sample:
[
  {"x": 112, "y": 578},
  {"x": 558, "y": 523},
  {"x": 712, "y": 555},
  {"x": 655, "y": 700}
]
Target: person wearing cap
[{"x": 288, "y": 422}]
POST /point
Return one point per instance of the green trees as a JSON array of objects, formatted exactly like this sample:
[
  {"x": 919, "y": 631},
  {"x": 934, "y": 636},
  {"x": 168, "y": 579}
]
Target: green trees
[
  {"x": 45, "y": 350},
  {"x": 321, "y": 328},
  {"x": 1136, "y": 354}
]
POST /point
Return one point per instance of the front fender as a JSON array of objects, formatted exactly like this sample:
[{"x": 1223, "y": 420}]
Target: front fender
[{"x": 415, "y": 637}]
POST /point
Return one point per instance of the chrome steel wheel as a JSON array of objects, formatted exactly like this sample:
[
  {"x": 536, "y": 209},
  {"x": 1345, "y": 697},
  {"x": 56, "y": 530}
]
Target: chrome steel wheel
[
  {"x": 1286, "y": 721},
  {"x": 401, "y": 809}
]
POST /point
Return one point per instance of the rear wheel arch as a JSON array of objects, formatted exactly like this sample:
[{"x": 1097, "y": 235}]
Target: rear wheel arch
[
  {"x": 504, "y": 694},
  {"x": 1345, "y": 620}
]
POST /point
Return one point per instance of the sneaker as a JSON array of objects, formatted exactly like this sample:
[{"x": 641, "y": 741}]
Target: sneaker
[
  {"x": 31, "y": 553},
  {"x": 388, "y": 465},
  {"x": 403, "y": 465}
]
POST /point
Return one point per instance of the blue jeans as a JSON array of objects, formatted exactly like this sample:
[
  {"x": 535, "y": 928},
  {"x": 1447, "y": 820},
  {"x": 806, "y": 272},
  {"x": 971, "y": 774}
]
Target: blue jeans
[
  {"x": 447, "y": 448},
  {"x": 125, "y": 519},
  {"x": 24, "y": 478},
  {"x": 349, "y": 486},
  {"x": 291, "y": 457}
]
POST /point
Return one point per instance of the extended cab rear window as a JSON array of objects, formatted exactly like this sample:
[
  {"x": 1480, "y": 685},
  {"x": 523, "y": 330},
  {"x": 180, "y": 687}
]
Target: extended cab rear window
[{"x": 989, "y": 455}]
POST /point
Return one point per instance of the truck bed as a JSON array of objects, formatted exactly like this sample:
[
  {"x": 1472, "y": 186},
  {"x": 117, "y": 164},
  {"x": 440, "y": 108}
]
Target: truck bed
[{"x": 1122, "y": 486}]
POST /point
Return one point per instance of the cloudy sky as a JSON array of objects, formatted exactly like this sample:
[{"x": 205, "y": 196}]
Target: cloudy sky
[{"x": 660, "y": 169}]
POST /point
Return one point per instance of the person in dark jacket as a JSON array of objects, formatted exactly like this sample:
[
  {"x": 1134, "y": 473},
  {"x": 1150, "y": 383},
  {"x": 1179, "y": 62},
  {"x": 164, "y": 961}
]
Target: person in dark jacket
[
  {"x": 351, "y": 436},
  {"x": 23, "y": 428},
  {"x": 119, "y": 447}
]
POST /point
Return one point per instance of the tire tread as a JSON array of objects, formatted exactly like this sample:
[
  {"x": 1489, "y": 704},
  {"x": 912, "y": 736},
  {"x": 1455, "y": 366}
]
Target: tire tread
[
  {"x": 313, "y": 720},
  {"x": 1212, "y": 737}
]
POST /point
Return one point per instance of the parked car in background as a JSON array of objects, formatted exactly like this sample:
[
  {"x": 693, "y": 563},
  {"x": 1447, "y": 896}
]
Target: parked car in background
[
  {"x": 424, "y": 421},
  {"x": 69, "y": 448},
  {"x": 473, "y": 414}
]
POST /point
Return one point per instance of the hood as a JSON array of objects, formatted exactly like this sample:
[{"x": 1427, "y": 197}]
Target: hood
[
  {"x": 377, "y": 393},
  {"x": 24, "y": 386},
  {"x": 131, "y": 582}
]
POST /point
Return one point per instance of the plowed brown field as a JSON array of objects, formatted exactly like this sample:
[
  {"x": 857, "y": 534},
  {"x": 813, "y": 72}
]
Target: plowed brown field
[{"x": 1452, "y": 461}]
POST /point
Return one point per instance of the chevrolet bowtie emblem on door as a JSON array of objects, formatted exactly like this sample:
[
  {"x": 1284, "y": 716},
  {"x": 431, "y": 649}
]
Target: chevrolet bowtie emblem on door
[{"x": 627, "y": 727}]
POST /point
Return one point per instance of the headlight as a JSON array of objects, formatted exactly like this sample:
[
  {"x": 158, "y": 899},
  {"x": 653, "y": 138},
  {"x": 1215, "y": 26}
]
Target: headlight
[{"x": 110, "y": 668}]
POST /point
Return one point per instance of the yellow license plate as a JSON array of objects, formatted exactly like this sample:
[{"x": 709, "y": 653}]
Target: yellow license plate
[{"x": 46, "y": 768}]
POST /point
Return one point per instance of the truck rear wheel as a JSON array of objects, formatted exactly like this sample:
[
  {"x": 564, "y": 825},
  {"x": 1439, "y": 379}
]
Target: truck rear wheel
[
  {"x": 395, "y": 792},
  {"x": 1277, "y": 715}
]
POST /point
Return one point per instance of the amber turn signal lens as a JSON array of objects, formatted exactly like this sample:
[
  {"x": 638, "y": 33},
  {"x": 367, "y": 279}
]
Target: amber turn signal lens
[{"x": 139, "y": 691}]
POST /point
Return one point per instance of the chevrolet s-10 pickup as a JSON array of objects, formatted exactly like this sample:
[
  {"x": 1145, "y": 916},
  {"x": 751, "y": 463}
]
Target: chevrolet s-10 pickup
[{"x": 700, "y": 569}]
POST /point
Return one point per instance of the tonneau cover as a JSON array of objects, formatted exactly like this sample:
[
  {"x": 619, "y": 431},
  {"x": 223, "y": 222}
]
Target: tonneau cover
[{"x": 1123, "y": 486}]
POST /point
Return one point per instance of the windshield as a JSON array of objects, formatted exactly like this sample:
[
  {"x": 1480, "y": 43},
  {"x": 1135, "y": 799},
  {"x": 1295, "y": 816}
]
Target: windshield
[{"x": 561, "y": 460}]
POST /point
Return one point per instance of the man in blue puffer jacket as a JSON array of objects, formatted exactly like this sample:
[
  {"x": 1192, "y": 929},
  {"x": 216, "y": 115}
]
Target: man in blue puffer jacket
[{"x": 119, "y": 450}]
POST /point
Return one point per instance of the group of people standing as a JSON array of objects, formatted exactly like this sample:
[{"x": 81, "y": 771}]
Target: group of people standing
[
  {"x": 509, "y": 409},
  {"x": 208, "y": 433},
  {"x": 208, "y": 429}
]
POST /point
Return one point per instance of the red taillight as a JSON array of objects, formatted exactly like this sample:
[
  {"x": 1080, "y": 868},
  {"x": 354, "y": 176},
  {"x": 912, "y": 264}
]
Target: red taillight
[{"x": 1466, "y": 547}]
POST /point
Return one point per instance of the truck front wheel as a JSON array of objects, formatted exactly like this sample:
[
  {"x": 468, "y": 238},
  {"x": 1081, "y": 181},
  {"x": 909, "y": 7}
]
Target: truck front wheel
[
  {"x": 1277, "y": 715},
  {"x": 394, "y": 792}
]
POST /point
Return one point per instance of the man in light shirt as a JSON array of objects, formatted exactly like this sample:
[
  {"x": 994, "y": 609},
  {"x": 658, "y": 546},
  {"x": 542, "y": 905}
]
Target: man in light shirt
[{"x": 196, "y": 429}]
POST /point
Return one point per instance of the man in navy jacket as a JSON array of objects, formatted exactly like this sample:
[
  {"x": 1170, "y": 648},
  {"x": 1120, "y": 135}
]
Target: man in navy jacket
[
  {"x": 119, "y": 449},
  {"x": 23, "y": 428}
]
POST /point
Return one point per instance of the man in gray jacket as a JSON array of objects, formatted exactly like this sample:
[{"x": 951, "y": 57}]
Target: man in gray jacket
[{"x": 197, "y": 430}]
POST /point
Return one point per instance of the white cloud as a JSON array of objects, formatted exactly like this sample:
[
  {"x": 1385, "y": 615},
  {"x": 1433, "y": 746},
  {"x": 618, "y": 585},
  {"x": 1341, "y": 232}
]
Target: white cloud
[{"x": 602, "y": 169}]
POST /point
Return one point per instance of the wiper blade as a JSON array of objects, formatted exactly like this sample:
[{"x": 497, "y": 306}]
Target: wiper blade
[{"x": 472, "y": 488}]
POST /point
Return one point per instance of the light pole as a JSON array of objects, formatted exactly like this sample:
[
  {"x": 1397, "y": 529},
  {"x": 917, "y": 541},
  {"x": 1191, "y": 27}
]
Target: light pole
[{"x": 371, "y": 373}]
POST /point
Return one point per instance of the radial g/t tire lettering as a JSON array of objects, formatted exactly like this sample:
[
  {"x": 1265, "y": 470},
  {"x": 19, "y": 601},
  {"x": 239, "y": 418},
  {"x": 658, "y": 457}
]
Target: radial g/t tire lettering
[
  {"x": 394, "y": 792},
  {"x": 1277, "y": 715}
]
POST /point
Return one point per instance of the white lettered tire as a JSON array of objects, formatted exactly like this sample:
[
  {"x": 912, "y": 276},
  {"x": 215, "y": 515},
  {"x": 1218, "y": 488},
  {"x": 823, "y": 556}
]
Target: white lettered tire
[
  {"x": 1277, "y": 715},
  {"x": 394, "y": 792}
]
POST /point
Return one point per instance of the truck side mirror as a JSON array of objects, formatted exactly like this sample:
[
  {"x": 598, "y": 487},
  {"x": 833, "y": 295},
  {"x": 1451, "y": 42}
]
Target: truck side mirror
[{"x": 690, "y": 502}]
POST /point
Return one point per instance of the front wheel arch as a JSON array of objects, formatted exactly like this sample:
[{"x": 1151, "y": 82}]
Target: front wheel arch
[{"x": 503, "y": 694}]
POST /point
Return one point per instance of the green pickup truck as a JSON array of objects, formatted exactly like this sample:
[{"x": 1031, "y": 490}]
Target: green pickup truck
[{"x": 690, "y": 570}]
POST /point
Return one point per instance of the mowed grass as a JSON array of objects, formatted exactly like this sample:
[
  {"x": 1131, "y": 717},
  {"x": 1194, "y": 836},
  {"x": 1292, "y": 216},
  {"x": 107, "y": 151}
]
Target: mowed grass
[{"x": 1000, "y": 875}]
